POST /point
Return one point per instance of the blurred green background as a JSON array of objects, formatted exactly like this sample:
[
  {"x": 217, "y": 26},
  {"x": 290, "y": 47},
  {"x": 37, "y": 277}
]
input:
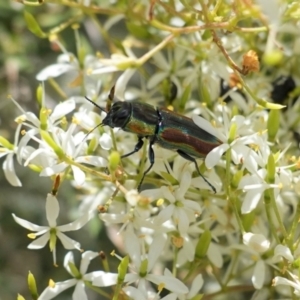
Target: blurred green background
[{"x": 22, "y": 56}]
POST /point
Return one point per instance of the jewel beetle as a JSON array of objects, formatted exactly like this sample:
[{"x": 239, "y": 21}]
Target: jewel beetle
[{"x": 161, "y": 126}]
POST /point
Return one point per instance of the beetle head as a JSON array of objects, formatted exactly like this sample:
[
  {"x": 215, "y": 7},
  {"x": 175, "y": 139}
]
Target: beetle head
[{"x": 118, "y": 115}]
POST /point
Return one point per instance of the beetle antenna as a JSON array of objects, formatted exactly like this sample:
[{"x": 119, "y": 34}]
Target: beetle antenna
[
  {"x": 95, "y": 104},
  {"x": 99, "y": 125}
]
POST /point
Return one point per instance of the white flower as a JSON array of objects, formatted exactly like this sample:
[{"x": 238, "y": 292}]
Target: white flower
[
  {"x": 256, "y": 245},
  {"x": 80, "y": 277},
  {"x": 175, "y": 69},
  {"x": 10, "y": 150},
  {"x": 281, "y": 251},
  {"x": 118, "y": 62},
  {"x": 178, "y": 209},
  {"x": 196, "y": 285},
  {"x": 72, "y": 147},
  {"x": 68, "y": 63},
  {"x": 131, "y": 219},
  {"x": 53, "y": 231},
  {"x": 255, "y": 185},
  {"x": 239, "y": 147},
  {"x": 143, "y": 263},
  {"x": 294, "y": 283},
  {"x": 70, "y": 142}
]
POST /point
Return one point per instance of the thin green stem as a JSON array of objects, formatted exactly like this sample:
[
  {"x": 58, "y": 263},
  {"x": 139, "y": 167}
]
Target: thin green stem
[
  {"x": 139, "y": 62},
  {"x": 193, "y": 266},
  {"x": 228, "y": 177},
  {"x": 230, "y": 196},
  {"x": 63, "y": 26},
  {"x": 174, "y": 268},
  {"x": 229, "y": 270},
  {"x": 97, "y": 290},
  {"x": 117, "y": 291},
  {"x": 268, "y": 207},
  {"x": 57, "y": 88},
  {"x": 229, "y": 290},
  {"x": 258, "y": 100},
  {"x": 277, "y": 214},
  {"x": 87, "y": 9},
  {"x": 87, "y": 169},
  {"x": 217, "y": 6},
  {"x": 292, "y": 231}
]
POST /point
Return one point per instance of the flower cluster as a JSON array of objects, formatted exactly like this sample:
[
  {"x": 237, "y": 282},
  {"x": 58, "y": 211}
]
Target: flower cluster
[{"x": 226, "y": 223}]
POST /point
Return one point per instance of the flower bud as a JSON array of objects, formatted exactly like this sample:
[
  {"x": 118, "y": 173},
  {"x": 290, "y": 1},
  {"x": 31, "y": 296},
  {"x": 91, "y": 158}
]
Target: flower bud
[
  {"x": 122, "y": 269},
  {"x": 113, "y": 161},
  {"x": 273, "y": 58},
  {"x": 203, "y": 244},
  {"x": 48, "y": 139},
  {"x": 273, "y": 124},
  {"x": 271, "y": 169},
  {"x": 32, "y": 286}
]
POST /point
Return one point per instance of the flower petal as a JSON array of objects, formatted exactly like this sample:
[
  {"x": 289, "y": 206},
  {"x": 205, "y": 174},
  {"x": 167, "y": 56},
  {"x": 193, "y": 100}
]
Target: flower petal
[
  {"x": 67, "y": 242},
  {"x": 62, "y": 109},
  {"x": 156, "y": 248},
  {"x": 214, "y": 156},
  {"x": 251, "y": 200},
  {"x": 214, "y": 255},
  {"x": 258, "y": 276},
  {"x": 156, "y": 79},
  {"x": 87, "y": 256},
  {"x": 52, "y": 210},
  {"x": 182, "y": 221},
  {"x": 53, "y": 71},
  {"x": 69, "y": 258},
  {"x": 196, "y": 286},
  {"x": 102, "y": 278},
  {"x": 170, "y": 283},
  {"x": 79, "y": 175},
  {"x": 134, "y": 293},
  {"x": 204, "y": 124},
  {"x": 256, "y": 241},
  {"x": 283, "y": 251},
  {"x": 132, "y": 245},
  {"x": 56, "y": 169},
  {"x": 78, "y": 223},
  {"x": 51, "y": 292},
  {"x": 24, "y": 141},
  {"x": 79, "y": 292},
  {"x": 105, "y": 141},
  {"x": 9, "y": 171},
  {"x": 121, "y": 83},
  {"x": 28, "y": 225},
  {"x": 96, "y": 161},
  {"x": 40, "y": 242}
]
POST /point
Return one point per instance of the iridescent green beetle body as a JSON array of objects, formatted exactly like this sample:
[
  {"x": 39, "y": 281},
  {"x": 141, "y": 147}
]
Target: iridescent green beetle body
[
  {"x": 163, "y": 127},
  {"x": 178, "y": 132}
]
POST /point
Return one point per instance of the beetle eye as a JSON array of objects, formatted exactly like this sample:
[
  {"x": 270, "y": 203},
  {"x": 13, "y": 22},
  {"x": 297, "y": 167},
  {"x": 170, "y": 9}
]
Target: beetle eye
[
  {"x": 119, "y": 118},
  {"x": 119, "y": 115}
]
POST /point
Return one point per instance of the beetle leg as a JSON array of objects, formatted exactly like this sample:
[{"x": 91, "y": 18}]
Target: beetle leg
[
  {"x": 192, "y": 159},
  {"x": 151, "y": 159},
  {"x": 137, "y": 148}
]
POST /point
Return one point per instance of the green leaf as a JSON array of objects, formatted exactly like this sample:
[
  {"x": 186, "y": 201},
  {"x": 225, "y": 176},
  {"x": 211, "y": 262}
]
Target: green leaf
[
  {"x": 139, "y": 31},
  {"x": 33, "y": 25}
]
